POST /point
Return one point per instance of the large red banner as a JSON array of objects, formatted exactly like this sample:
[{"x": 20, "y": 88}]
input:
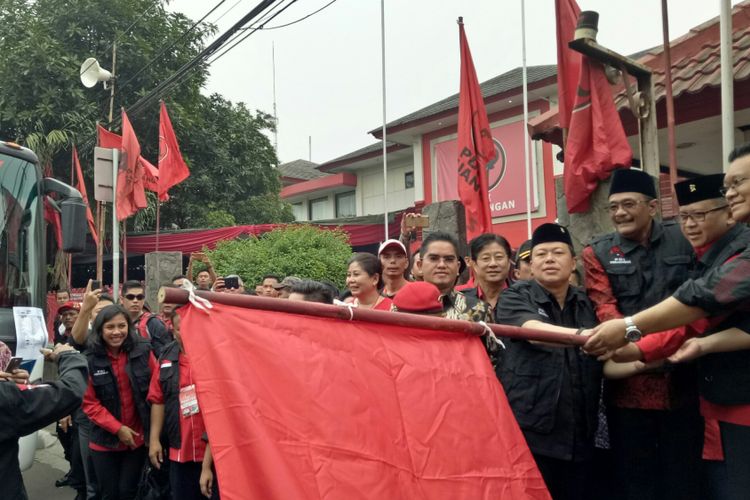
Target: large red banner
[
  {"x": 505, "y": 173},
  {"x": 307, "y": 408}
]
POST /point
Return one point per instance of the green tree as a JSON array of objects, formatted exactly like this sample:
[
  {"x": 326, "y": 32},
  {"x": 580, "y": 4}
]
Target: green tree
[
  {"x": 299, "y": 250},
  {"x": 44, "y": 42}
]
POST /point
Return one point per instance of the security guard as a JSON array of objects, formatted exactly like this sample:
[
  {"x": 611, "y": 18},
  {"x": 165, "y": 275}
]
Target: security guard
[
  {"x": 553, "y": 390},
  {"x": 638, "y": 265}
]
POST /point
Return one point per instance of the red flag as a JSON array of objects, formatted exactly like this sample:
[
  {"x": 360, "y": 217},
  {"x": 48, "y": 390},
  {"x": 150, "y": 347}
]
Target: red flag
[
  {"x": 81, "y": 186},
  {"x": 130, "y": 194},
  {"x": 475, "y": 146},
  {"x": 172, "y": 168},
  {"x": 352, "y": 409},
  {"x": 568, "y": 60},
  {"x": 109, "y": 139},
  {"x": 596, "y": 141}
]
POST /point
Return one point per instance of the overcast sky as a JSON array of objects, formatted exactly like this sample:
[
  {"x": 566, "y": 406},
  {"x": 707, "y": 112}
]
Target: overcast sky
[{"x": 328, "y": 67}]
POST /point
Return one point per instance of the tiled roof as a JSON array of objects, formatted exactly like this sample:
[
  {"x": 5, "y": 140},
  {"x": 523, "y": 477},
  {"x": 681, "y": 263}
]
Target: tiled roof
[
  {"x": 300, "y": 169},
  {"x": 375, "y": 148},
  {"x": 497, "y": 85}
]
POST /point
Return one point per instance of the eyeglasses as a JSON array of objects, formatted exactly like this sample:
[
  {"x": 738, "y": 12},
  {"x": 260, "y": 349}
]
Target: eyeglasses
[
  {"x": 736, "y": 182},
  {"x": 434, "y": 258},
  {"x": 627, "y": 205},
  {"x": 132, "y": 296},
  {"x": 698, "y": 216}
]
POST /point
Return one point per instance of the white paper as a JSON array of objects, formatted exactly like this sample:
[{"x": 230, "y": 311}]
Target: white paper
[{"x": 31, "y": 332}]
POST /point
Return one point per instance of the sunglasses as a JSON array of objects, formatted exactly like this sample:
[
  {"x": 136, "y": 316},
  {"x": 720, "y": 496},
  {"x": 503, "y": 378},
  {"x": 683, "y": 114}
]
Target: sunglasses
[{"x": 132, "y": 296}]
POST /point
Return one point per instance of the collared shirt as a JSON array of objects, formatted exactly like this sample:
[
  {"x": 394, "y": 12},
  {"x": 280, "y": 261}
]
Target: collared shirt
[
  {"x": 553, "y": 391},
  {"x": 456, "y": 305}
]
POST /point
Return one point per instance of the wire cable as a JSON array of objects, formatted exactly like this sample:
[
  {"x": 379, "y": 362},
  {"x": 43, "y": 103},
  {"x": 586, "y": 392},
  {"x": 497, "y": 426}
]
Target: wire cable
[{"x": 301, "y": 18}]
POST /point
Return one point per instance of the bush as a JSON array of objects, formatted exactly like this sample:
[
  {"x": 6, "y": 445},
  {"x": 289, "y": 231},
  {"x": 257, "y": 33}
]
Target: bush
[{"x": 298, "y": 250}]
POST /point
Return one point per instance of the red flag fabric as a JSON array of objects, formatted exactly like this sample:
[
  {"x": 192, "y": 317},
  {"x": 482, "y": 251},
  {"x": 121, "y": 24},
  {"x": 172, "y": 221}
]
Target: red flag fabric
[
  {"x": 172, "y": 168},
  {"x": 81, "y": 186},
  {"x": 568, "y": 60},
  {"x": 352, "y": 409},
  {"x": 596, "y": 140},
  {"x": 475, "y": 146},
  {"x": 109, "y": 139},
  {"x": 130, "y": 194}
]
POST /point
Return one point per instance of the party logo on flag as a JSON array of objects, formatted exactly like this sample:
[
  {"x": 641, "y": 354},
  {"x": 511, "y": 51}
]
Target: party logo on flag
[{"x": 496, "y": 167}]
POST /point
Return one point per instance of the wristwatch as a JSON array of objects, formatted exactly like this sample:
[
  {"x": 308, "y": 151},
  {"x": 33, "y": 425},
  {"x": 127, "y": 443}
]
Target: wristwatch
[{"x": 632, "y": 332}]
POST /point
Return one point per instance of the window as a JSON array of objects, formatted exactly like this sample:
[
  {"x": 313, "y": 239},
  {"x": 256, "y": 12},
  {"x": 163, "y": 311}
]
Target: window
[
  {"x": 408, "y": 180},
  {"x": 317, "y": 208},
  {"x": 298, "y": 211},
  {"x": 345, "y": 205}
]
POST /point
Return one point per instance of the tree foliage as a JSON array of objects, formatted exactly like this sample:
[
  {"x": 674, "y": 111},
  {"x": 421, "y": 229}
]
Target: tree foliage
[
  {"x": 299, "y": 250},
  {"x": 44, "y": 42}
]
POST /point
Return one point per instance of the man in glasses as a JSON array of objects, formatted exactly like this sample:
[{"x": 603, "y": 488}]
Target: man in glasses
[
  {"x": 637, "y": 266},
  {"x": 148, "y": 325},
  {"x": 440, "y": 265}
]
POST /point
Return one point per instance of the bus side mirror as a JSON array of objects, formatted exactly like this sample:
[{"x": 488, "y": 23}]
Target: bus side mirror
[{"x": 74, "y": 221}]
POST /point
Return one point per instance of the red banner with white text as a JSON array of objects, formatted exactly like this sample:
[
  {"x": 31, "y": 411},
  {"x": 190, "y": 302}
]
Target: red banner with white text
[
  {"x": 309, "y": 408},
  {"x": 505, "y": 173}
]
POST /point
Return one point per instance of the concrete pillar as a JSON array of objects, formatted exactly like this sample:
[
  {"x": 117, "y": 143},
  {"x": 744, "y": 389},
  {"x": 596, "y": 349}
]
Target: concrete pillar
[
  {"x": 448, "y": 216},
  {"x": 161, "y": 267}
]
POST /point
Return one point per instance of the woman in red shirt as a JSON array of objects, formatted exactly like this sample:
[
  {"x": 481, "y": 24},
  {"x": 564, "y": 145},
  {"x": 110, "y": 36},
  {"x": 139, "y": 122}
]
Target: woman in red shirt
[
  {"x": 363, "y": 280},
  {"x": 120, "y": 366}
]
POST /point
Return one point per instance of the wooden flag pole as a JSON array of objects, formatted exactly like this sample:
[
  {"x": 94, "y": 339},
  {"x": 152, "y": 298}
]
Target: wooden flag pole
[{"x": 180, "y": 296}]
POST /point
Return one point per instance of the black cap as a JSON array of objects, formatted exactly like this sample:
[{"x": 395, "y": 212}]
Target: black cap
[
  {"x": 550, "y": 233},
  {"x": 524, "y": 251},
  {"x": 705, "y": 187},
  {"x": 631, "y": 180}
]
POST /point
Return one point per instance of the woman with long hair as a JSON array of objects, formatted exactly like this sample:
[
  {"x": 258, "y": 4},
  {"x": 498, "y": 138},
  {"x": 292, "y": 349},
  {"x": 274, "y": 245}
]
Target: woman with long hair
[
  {"x": 363, "y": 279},
  {"x": 491, "y": 262},
  {"x": 120, "y": 367}
]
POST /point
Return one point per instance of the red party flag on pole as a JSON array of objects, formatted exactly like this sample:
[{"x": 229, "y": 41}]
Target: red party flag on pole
[
  {"x": 109, "y": 139},
  {"x": 475, "y": 146},
  {"x": 596, "y": 140},
  {"x": 131, "y": 196},
  {"x": 81, "y": 186},
  {"x": 172, "y": 168},
  {"x": 568, "y": 60}
]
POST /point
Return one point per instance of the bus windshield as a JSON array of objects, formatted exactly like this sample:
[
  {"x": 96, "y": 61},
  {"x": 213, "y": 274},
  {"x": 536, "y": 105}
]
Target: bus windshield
[{"x": 20, "y": 241}]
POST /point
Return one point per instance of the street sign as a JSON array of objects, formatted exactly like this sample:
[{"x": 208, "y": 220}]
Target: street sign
[{"x": 103, "y": 174}]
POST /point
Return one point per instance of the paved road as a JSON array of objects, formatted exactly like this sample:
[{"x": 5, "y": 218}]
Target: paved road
[{"x": 49, "y": 466}]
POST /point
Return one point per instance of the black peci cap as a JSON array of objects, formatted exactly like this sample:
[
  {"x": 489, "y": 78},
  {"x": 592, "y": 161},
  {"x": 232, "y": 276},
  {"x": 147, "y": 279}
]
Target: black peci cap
[
  {"x": 705, "y": 187},
  {"x": 631, "y": 180},
  {"x": 550, "y": 233}
]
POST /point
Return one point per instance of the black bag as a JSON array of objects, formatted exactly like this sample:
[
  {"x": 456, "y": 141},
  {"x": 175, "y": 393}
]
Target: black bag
[{"x": 154, "y": 483}]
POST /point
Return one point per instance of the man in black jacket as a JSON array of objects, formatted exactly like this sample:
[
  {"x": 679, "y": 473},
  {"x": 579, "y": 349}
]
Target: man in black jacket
[
  {"x": 553, "y": 390},
  {"x": 25, "y": 409}
]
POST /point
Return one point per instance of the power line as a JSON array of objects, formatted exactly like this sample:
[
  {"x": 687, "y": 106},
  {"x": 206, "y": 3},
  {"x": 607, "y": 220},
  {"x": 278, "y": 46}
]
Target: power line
[{"x": 301, "y": 18}]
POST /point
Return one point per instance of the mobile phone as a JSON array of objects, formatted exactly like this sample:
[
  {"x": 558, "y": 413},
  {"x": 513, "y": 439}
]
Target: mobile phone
[
  {"x": 231, "y": 282},
  {"x": 96, "y": 284},
  {"x": 13, "y": 364},
  {"x": 421, "y": 221}
]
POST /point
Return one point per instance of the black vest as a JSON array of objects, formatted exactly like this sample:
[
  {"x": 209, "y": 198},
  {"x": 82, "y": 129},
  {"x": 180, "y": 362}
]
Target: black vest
[
  {"x": 642, "y": 277},
  {"x": 169, "y": 379},
  {"x": 725, "y": 376},
  {"x": 105, "y": 387}
]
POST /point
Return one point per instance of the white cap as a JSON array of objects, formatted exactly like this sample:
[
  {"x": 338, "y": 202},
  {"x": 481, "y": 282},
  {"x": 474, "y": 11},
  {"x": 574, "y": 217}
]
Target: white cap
[{"x": 391, "y": 243}]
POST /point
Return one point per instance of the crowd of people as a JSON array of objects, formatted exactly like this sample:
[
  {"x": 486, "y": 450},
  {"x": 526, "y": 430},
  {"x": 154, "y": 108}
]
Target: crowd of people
[{"x": 654, "y": 406}]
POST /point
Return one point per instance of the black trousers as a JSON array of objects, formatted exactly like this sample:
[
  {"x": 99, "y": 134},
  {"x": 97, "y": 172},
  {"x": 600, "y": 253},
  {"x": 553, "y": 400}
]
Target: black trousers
[
  {"x": 84, "y": 430},
  {"x": 735, "y": 440},
  {"x": 69, "y": 440},
  {"x": 657, "y": 453},
  {"x": 184, "y": 480},
  {"x": 119, "y": 472},
  {"x": 566, "y": 480}
]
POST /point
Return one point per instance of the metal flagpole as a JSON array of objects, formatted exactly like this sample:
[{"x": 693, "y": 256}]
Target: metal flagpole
[
  {"x": 526, "y": 153},
  {"x": 115, "y": 228},
  {"x": 385, "y": 158},
  {"x": 671, "y": 138},
  {"x": 727, "y": 82}
]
